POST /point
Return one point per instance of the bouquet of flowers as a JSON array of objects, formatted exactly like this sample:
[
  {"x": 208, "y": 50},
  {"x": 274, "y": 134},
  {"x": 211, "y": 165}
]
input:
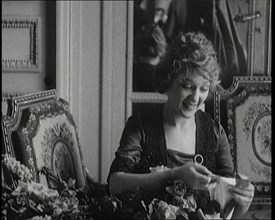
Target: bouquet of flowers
[
  {"x": 34, "y": 201},
  {"x": 174, "y": 202},
  {"x": 31, "y": 200}
]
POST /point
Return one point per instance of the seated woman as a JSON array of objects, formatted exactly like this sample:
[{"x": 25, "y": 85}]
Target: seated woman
[{"x": 188, "y": 73}]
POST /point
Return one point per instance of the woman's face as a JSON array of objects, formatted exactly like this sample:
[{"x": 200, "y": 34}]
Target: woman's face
[{"x": 188, "y": 93}]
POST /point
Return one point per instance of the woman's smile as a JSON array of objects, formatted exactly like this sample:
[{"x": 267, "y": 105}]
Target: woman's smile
[
  {"x": 188, "y": 93},
  {"x": 189, "y": 106}
]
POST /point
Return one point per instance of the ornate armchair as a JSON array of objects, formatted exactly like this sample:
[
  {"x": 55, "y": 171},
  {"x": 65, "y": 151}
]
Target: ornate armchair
[
  {"x": 40, "y": 132},
  {"x": 244, "y": 110}
]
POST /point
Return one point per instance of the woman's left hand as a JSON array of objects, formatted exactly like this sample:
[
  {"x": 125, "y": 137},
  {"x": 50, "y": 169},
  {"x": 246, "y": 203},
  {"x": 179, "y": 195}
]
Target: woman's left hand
[{"x": 243, "y": 195}]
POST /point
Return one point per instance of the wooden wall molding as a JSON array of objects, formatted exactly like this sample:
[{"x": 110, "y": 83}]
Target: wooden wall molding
[{"x": 24, "y": 34}]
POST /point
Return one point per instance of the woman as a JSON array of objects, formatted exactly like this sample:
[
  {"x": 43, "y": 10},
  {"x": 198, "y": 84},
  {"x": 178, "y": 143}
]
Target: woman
[{"x": 187, "y": 74}]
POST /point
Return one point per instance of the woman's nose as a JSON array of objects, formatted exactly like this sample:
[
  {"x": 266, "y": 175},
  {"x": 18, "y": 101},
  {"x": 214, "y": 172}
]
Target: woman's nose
[{"x": 195, "y": 95}]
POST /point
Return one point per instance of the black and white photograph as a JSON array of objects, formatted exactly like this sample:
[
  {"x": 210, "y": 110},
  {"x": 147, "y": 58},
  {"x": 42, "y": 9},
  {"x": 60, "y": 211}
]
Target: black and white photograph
[{"x": 136, "y": 109}]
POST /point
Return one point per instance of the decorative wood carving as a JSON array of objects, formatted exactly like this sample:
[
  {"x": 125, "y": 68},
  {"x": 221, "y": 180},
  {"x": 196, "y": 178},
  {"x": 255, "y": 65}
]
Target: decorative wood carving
[
  {"x": 141, "y": 97},
  {"x": 6, "y": 101}
]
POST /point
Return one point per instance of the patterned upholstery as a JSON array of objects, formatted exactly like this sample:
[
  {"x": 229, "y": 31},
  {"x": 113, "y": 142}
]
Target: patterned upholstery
[
  {"x": 41, "y": 133},
  {"x": 244, "y": 110}
]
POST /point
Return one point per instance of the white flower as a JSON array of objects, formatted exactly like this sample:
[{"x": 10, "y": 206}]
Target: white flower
[
  {"x": 158, "y": 169},
  {"x": 215, "y": 216},
  {"x": 37, "y": 217},
  {"x": 37, "y": 190},
  {"x": 17, "y": 168},
  {"x": 166, "y": 211}
]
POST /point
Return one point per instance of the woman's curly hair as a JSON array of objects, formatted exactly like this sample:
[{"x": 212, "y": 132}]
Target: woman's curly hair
[{"x": 186, "y": 53}]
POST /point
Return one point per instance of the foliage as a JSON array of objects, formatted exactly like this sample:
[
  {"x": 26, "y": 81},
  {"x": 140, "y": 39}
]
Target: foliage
[
  {"x": 175, "y": 201},
  {"x": 34, "y": 201},
  {"x": 31, "y": 200}
]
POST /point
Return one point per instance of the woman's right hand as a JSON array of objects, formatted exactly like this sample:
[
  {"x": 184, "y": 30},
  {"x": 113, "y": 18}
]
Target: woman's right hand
[{"x": 194, "y": 175}]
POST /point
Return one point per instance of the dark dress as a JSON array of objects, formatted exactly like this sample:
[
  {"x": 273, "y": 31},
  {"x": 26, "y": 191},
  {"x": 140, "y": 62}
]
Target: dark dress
[{"x": 143, "y": 145}]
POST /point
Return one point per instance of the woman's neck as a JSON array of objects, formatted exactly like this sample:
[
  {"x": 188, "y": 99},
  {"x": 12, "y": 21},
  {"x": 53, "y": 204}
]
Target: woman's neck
[
  {"x": 180, "y": 132},
  {"x": 175, "y": 120}
]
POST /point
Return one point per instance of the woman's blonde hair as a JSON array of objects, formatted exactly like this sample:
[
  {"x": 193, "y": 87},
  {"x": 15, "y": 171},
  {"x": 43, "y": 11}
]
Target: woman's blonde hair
[{"x": 187, "y": 53}]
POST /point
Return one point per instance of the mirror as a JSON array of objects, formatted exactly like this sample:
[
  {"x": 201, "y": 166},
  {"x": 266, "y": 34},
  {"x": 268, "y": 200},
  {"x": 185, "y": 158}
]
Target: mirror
[{"x": 239, "y": 30}]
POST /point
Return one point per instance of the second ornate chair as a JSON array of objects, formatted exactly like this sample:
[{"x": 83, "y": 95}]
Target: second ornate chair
[
  {"x": 244, "y": 110},
  {"x": 41, "y": 133}
]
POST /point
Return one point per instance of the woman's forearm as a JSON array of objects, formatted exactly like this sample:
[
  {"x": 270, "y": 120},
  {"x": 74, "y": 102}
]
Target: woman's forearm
[
  {"x": 195, "y": 176},
  {"x": 121, "y": 182}
]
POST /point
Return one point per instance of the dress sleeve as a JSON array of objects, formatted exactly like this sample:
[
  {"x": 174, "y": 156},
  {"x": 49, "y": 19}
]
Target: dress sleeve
[
  {"x": 129, "y": 151},
  {"x": 224, "y": 162}
]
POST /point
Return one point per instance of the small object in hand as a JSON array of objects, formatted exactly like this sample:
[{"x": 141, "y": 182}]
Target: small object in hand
[
  {"x": 241, "y": 180},
  {"x": 214, "y": 179}
]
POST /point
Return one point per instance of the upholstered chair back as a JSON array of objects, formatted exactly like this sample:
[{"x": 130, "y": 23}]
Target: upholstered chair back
[
  {"x": 41, "y": 133},
  {"x": 244, "y": 110}
]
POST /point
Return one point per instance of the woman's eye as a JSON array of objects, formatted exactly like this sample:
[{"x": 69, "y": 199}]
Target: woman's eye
[
  {"x": 186, "y": 86},
  {"x": 205, "y": 88},
  {"x": 189, "y": 86}
]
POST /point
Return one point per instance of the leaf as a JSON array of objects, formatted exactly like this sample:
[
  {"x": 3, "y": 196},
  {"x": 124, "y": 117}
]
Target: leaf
[
  {"x": 22, "y": 210},
  {"x": 6, "y": 188}
]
